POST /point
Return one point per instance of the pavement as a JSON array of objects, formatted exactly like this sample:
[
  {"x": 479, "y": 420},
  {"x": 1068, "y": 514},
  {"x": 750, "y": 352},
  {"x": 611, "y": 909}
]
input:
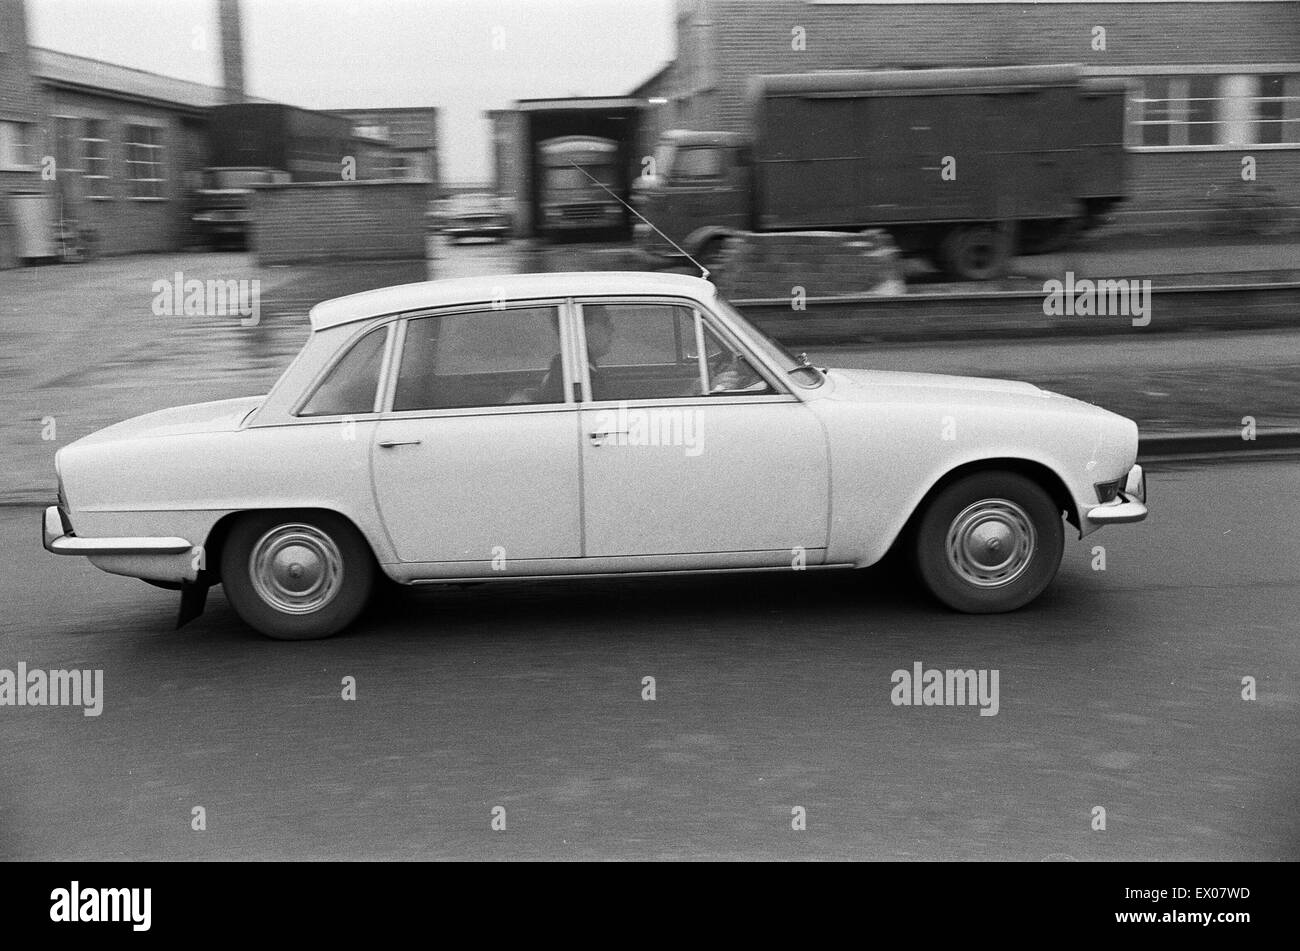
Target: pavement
[{"x": 1120, "y": 689}]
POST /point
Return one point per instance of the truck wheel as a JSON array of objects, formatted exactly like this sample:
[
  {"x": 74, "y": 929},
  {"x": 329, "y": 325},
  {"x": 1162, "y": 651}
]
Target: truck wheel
[
  {"x": 989, "y": 543},
  {"x": 976, "y": 252},
  {"x": 297, "y": 576}
]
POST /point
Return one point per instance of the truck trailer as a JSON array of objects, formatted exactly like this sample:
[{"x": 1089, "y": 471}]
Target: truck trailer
[{"x": 963, "y": 166}]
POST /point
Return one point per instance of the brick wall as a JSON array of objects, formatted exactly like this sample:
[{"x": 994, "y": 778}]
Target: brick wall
[
  {"x": 123, "y": 222},
  {"x": 752, "y": 38},
  {"x": 335, "y": 221}
]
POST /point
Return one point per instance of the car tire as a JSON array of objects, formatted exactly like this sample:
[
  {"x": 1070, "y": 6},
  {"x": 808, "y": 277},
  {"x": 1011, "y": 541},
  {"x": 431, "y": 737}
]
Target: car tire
[
  {"x": 988, "y": 543},
  {"x": 297, "y": 576}
]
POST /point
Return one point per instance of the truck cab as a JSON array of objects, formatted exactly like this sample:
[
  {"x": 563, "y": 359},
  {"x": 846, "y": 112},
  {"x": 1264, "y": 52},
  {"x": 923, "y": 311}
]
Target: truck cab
[{"x": 696, "y": 191}]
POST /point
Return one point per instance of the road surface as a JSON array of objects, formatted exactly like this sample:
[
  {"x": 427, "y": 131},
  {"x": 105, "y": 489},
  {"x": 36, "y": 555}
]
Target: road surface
[{"x": 1119, "y": 689}]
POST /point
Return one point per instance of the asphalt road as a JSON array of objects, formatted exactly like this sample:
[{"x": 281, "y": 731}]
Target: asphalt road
[{"x": 1119, "y": 688}]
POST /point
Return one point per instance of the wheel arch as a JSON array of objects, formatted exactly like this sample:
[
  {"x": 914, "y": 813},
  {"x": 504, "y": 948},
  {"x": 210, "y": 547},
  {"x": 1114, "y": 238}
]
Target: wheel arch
[
  {"x": 220, "y": 532},
  {"x": 1039, "y": 473}
]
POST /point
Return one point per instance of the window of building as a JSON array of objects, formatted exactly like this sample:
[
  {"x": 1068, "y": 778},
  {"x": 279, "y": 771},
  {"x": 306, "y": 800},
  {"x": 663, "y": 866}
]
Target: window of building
[
  {"x": 144, "y": 160},
  {"x": 16, "y": 148},
  {"x": 1278, "y": 109},
  {"x": 1231, "y": 110},
  {"x": 95, "y": 168},
  {"x": 481, "y": 358}
]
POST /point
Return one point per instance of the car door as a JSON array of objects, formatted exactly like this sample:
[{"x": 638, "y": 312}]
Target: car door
[
  {"x": 690, "y": 451},
  {"x": 476, "y": 459}
]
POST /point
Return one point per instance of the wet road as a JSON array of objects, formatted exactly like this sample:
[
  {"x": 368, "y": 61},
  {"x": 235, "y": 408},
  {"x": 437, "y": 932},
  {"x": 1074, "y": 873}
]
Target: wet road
[{"x": 1119, "y": 688}]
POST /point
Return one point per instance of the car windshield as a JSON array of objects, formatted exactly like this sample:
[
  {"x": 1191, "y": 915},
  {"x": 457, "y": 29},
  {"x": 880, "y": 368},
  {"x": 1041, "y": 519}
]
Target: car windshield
[{"x": 795, "y": 367}]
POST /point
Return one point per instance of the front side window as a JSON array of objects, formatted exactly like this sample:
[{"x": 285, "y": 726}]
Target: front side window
[
  {"x": 698, "y": 163},
  {"x": 481, "y": 358},
  {"x": 349, "y": 387},
  {"x": 653, "y": 351}
]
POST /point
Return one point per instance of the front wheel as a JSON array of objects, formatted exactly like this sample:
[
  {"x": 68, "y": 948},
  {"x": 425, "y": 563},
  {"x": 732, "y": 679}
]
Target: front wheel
[
  {"x": 990, "y": 542},
  {"x": 297, "y": 576}
]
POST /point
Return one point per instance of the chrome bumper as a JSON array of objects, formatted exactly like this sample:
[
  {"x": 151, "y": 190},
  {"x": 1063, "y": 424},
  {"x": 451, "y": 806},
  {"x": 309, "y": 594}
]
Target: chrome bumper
[
  {"x": 57, "y": 535},
  {"x": 1129, "y": 505}
]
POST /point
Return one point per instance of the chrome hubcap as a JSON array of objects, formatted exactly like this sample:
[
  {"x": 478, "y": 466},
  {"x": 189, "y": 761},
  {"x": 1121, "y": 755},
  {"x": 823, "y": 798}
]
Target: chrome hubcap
[
  {"x": 991, "y": 543},
  {"x": 296, "y": 568}
]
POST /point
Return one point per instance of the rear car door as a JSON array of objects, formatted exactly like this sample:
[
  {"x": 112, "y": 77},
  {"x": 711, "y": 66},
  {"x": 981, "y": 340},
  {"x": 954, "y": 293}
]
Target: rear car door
[{"x": 476, "y": 461}]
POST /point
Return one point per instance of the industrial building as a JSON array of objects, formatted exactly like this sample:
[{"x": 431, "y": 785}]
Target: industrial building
[
  {"x": 114, "y": 155},
  {"x": 1213, "y": 117}
]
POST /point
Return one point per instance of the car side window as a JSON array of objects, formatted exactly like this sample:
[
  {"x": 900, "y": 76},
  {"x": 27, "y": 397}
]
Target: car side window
[
  {"x": 652, "y": 351},
  {"x": 481, "y": 358},
  {"x": 350, "y": 385}
]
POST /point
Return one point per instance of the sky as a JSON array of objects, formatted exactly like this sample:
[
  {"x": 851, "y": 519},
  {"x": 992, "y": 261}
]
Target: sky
[{"x": 462, "y": 56}]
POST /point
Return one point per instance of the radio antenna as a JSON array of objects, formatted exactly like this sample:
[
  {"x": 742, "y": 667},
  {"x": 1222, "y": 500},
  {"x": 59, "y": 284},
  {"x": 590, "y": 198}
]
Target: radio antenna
[{"x": 704, "y": 271}]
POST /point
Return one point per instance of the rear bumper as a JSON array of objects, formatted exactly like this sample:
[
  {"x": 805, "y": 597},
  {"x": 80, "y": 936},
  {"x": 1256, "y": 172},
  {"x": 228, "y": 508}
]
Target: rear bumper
[
  {"x": 1128, "y": 506},
  {"x": 59, "y": 539}
]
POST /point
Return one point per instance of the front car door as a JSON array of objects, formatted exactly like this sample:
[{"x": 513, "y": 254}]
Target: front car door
[
  {"x": 693, "y": 455},
  {"x": 475, "y": 462}
]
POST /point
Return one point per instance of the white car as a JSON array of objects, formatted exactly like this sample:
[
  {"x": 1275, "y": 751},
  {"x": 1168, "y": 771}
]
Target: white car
[{"x": 583, "y": 424}]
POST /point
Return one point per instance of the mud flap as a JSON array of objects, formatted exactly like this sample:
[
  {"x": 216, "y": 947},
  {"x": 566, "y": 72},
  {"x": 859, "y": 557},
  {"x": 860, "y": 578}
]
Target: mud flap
[{"x": 194, "y": 597}]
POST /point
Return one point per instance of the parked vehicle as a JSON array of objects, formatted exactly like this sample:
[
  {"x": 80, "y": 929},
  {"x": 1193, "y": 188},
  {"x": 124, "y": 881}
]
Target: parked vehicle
[
  {"x": 582, "y": 424},
  {"x": 964, "y": 166},
  {"x": 223, "y": 206},
  {"x": 573, "y": 170},
  {"x": 475, "y": 216}
]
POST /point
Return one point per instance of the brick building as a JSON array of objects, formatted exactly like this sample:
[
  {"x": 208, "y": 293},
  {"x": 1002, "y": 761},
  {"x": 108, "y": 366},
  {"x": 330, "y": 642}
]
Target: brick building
[
  {"x": 1210, "y": 83},
  {"x": 20, "y": 113}
]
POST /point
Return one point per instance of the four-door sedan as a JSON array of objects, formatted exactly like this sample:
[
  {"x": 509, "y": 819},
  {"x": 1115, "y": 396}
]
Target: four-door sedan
[{"x": 560, "y": 425}]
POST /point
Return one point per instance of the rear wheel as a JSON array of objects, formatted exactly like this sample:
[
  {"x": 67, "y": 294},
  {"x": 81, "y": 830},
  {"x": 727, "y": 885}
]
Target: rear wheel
[
  {"x": 297, "y": 576},
  {"x": 988, "y": 543},
  {"x": 976, "y": 252}
]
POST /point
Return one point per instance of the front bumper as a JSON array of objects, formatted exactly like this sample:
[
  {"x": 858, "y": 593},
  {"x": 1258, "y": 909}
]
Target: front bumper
[
  {"x": 59, "y": 539},
  {"x": 1129, "y": 504}
]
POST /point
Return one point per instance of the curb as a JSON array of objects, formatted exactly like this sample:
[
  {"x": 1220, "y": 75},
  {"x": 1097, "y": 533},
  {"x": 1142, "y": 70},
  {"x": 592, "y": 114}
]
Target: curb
[{"x": 1217, "y": 443}]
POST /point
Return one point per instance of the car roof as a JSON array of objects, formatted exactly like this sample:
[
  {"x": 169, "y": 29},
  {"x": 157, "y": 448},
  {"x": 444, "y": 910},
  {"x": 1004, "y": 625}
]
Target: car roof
[{"x": 510, "y": 287}]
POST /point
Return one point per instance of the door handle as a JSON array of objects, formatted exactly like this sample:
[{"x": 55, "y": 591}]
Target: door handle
[
  {"x": 390, "y": 443},
  {"x": 599, "y": 436}
]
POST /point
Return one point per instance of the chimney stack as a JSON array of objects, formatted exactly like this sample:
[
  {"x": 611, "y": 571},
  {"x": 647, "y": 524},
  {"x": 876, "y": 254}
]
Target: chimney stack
[{"x": 232, "y": 51}]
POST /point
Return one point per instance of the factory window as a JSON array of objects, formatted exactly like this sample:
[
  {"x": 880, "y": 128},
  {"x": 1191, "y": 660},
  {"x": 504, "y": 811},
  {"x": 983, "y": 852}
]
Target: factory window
[
  {"x": 95, "y": 170},
  {"x": 144, "y": 161},
  {"x": 1279, "y": 109},
  {"x": 1218, "y": 110},
  {"x": 16, "y": 150}
]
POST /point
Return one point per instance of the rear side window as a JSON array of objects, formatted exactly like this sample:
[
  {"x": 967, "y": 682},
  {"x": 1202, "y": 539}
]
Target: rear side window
[
  {"x": 481, "y": 358},
  {"x": 350, "y": 386}
]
